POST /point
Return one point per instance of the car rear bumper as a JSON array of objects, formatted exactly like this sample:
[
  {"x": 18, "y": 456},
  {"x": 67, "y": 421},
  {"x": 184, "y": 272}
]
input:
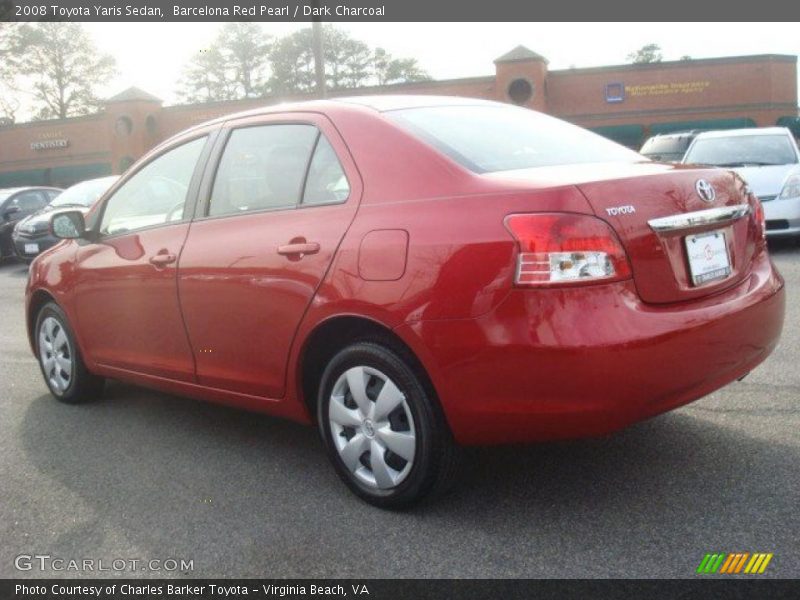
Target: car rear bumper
[
  {"x": 777, "y": 228},
  {"x": 567, "y": 363},
  {"x": 783, "y": 217}
]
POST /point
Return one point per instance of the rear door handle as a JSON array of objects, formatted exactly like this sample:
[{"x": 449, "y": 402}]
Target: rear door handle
[
  {"x": 300, "y": 248},
  {"x": 161, "y": 260}
]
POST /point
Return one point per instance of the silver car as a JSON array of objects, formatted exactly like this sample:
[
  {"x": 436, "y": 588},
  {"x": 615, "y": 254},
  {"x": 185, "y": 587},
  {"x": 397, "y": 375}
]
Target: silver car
[{"x": 768, "y": 159}]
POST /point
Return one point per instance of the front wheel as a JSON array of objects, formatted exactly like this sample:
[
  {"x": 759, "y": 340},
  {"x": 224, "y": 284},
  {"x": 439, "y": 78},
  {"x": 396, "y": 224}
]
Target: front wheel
[
  {"x": 381, "y": 427},
  {"x": 60, "y": 360}
]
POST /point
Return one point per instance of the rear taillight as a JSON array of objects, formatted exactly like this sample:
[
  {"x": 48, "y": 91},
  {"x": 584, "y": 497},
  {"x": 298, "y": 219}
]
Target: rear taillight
[{"x": 561, "y": 248}]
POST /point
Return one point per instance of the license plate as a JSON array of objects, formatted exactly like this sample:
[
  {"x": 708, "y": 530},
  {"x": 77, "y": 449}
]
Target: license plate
[
  {"x": 708, "y": 257},
  {"x": 31, "y": 248}
]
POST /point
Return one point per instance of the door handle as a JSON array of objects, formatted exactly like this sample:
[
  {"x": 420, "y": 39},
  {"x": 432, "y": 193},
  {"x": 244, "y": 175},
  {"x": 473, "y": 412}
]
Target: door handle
[
  {"x": 161, "y": 260},
  {"x": 299, "y": 248}
]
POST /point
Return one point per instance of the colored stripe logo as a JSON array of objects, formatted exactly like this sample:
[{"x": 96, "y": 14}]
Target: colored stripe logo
[{"x": 735, "y": 563}]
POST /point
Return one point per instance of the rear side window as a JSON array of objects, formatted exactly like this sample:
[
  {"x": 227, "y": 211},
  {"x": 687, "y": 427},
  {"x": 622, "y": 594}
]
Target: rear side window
[
  {"x": 28, "y": 201},
  {"x": 326, "y": 182},
  {"x": 262, "y": 168},
  {"x": 500, "y": 138}
]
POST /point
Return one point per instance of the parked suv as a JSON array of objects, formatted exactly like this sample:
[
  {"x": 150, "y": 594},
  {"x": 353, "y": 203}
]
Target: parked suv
[
  {"x": 412, "y": 274},
  {"x": 668, "y": 147},
  {"x": 768, "y": 159},
  {"x": 16, "y": 204}
]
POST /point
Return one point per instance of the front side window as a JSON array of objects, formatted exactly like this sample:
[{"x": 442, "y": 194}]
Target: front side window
[
  {"x": 156, "y": 194},
  {"x": 262, "y": 168},
  {"x": 742, "y": 151},
  {"x": 84, "y": 193}
]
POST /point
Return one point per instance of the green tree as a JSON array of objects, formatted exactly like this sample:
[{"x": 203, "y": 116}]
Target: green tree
[
  {"x": 649, "y": 53},
  {"x": 59, "y": 66},
  {"x": 396, "y": 70},
  {"x": 207, "y": 78},
  {"x": 246, "y": 48},
  {"x": 347, "y": 60},
  {"x": 293, "y": 63},
  {"x": 9, "y": 97},
  {"x": 234, "y": 66},
  {"x": 349, "y": 63}
]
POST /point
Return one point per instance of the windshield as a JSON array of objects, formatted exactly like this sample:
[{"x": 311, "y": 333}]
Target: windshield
[
  {"x": 485, "y": 139},
  {"x": 84, "y": 193},
  {"x": 742, "y": 151}
]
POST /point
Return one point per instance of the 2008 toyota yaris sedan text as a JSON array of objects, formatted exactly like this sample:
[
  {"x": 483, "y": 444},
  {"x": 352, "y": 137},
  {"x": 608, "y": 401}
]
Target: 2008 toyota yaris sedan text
[{"x": 413, "y": 274}]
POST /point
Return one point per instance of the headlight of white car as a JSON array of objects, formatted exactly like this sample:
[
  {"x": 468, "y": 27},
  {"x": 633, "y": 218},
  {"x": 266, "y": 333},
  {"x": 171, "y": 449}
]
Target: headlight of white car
[{"x": 791, "y": 187}]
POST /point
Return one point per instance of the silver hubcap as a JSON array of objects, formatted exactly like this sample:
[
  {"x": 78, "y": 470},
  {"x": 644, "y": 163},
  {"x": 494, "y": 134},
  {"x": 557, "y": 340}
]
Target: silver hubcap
[
  {"x": 55, "y": 353},
  {"x": 372, "y": 427}
]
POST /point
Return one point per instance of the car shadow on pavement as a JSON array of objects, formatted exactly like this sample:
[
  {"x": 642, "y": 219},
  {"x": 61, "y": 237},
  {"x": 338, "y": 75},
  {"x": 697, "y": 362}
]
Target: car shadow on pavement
[
  {"x": 248, "y": 495},
  {"x": 784, "y": 246},
  {"x": 14, "y": 267}
]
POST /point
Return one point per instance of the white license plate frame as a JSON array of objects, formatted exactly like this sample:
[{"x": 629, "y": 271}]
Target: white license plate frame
[
  {"x": 31, "y": 248},
  {"x": 708, "y": 257}
]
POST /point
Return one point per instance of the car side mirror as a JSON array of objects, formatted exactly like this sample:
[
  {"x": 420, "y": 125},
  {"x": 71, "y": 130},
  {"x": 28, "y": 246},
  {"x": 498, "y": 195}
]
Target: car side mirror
[
  {"x": 11, "y": 210},
  {"x": 68, "y": 225}
]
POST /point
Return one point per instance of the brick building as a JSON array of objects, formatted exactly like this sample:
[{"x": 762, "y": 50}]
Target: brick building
[{"x": 626, "y": 103}]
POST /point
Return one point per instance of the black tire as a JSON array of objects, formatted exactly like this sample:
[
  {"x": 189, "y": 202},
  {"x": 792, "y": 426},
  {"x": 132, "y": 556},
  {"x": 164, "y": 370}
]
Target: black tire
[
  {"x": 81, "y": 385},
  {"x": 434, "y": 464}
]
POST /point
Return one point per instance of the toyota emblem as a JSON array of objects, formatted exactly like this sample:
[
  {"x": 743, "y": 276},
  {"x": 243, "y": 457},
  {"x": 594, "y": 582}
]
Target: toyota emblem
[{"x": 705, "y": 190}]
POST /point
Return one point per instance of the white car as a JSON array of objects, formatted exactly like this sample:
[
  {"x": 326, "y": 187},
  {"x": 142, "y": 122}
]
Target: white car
[{"x": 769, "y": 161}]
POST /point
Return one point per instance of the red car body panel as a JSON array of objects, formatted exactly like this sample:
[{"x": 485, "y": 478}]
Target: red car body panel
[{"x": 420, "y": 248}]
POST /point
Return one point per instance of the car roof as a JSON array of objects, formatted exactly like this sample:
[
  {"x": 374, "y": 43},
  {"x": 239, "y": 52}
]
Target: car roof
[
  {"x": 744, "y": 132},
  {"x": 379, "y": 103},
  {"x": 95, "y": 179},
  {"x": 14, "y": 190}
]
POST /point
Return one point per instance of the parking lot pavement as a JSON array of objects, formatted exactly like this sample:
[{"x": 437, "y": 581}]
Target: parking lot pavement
[{"x": 143, "y": 475}]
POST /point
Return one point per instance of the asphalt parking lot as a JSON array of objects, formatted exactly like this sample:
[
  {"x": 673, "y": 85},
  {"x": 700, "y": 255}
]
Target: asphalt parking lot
[{"x": 144, "y": 475}]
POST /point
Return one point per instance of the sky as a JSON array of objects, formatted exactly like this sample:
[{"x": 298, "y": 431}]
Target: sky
[{"x": 151, "y": 56}]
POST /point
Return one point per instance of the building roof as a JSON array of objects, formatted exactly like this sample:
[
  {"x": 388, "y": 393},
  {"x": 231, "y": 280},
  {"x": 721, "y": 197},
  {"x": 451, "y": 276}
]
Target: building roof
[
  {"x": 691, "y": 62},
  {"x": 520, "y": 53},
  {"x": 133, "y": 94}
]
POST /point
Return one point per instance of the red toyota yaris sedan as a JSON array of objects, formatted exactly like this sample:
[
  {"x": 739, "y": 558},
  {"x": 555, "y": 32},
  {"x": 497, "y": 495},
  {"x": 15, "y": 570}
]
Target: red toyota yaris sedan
[{"x": 413, "y": 274}]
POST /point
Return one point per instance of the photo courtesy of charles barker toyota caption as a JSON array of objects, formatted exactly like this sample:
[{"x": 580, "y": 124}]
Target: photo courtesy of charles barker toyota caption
[{"x": 411, "y": 274}]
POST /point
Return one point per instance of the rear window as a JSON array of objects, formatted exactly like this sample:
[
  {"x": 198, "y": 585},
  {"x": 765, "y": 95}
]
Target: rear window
[
  {"x": 672, "y": 148},
  {"x": 486, "y": 139},
  {"x": 742, "y": 151}
]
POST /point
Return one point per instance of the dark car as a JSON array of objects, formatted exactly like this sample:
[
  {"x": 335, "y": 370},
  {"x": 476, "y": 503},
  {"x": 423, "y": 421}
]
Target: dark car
[
  {"x": 32, "y": 234},
  {"x": 668, "y": 147},
  {"x": 15, "y": 205}
]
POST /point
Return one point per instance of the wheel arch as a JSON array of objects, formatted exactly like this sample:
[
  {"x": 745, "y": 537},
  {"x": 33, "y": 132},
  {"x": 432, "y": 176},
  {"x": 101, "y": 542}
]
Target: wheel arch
[
  {"x": 38, "y": 299},
  {"x": 335, "y": 333}
]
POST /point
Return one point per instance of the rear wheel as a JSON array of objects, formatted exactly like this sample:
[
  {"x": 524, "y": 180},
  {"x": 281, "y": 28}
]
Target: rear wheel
[
  {"x": 60, "y": 360},
  {"x": 383, "y": 431}
]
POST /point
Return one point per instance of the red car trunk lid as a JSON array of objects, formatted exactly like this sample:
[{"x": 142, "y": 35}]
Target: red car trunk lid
[{"x": 657, "y": 216}]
